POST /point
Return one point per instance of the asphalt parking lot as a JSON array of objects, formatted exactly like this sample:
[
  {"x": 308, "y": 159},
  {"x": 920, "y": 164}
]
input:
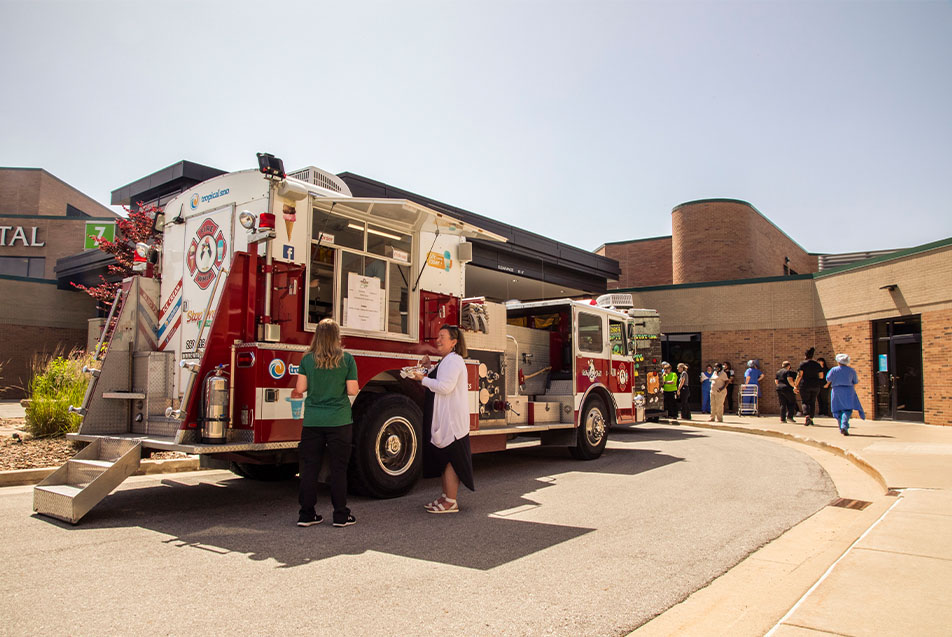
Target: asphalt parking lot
[{"x": 547, "y": 545}]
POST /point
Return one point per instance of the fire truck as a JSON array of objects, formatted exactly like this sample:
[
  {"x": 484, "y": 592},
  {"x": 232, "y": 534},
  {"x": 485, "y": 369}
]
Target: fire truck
[{"x": 201, "y": 348}]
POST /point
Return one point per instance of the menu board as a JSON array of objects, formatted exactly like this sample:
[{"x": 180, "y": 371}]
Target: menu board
[{"x": 364, "y": 306}]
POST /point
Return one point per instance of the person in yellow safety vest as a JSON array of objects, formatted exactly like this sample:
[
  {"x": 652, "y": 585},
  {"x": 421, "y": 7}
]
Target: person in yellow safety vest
[{"x": 669, "y": 383}]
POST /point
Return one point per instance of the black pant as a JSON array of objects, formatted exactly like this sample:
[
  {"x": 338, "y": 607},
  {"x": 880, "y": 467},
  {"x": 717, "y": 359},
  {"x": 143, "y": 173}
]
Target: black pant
[
  {"x": 823, "y": 402},
  {"x": 788, "y": 403},
  {"x": 311, "y": 453},
  {"x": 683, "y": 399},
  {"x": 808, "y": 398},
  {"x": 729, "y": 400},
  {"x": 670, "y": 404}
]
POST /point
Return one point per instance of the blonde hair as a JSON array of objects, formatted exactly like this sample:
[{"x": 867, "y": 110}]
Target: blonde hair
[{"x": 326, "y": 347}]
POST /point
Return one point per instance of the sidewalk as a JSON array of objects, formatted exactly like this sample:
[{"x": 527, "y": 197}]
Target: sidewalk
[{"x": 893, "y": 578}]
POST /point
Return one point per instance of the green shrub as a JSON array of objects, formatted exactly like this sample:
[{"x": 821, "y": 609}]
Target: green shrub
[{"x": 56, "y": 384}]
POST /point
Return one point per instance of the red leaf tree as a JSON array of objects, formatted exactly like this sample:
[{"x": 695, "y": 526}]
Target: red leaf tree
[{"x": 135, "y": 228}]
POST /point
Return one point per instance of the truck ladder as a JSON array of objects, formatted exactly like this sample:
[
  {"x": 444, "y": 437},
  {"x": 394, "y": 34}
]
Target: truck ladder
[{"x": 72, "y": 490}]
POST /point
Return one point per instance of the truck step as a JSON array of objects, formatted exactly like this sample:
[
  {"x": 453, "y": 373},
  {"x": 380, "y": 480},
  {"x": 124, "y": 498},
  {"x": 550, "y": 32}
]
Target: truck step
[
  {"x": 72, "y": 490},
  {"x": 64, "y": 490}
]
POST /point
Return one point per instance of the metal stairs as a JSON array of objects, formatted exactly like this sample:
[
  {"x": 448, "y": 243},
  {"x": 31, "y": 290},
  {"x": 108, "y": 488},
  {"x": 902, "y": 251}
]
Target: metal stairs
[{"x": 72, "y": 490}]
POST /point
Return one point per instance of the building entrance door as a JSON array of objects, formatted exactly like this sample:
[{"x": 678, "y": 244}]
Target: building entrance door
[
  {"x": 685, "y": 348},
  {"x": 898, "y": 369}
]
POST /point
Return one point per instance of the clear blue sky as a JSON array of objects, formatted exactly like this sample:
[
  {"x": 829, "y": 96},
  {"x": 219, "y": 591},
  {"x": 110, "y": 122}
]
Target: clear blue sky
[{"x": 583, "y": 121}]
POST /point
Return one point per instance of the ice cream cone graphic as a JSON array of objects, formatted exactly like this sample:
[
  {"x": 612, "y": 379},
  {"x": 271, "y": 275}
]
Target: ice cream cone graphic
[{"x": 290, "y": 217}]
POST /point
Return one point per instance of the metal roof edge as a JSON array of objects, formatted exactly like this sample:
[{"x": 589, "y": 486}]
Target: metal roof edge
[
  {"x": 710, "y": 284},
  {"x": 899, "y": 254}
]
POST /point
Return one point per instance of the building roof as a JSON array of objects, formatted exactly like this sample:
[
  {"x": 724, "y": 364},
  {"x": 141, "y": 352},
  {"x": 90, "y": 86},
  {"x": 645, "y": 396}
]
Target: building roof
[
  {"x": 176, "y": 177},
  {"x": 520, "y": 243}
]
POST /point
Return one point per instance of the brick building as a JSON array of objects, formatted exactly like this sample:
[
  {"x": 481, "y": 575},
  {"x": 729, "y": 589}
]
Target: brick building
[
  {"x": 42, "y": 219},
  {"x": 748, "y": 291}
]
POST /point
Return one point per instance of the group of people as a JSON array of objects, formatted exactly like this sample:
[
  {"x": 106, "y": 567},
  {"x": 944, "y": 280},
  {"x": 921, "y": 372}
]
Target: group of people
[
  {"x": 804, "y": 387},
  {"x": 812, "y": 389},
  {"x": 329, "y": 376}
]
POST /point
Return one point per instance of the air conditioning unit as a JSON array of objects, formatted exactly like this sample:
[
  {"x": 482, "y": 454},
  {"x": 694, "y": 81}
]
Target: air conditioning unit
[
  {"x": 322, "y": 178},
  {"x": 615, "y": 299}
]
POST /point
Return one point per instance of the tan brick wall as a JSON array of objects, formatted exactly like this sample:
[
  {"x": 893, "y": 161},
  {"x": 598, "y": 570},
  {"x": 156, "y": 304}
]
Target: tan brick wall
[
  {"x": 750, "y": 306},
  {"x": 937, "y": 366},
  {"x": 20, "y": 344},
  {"x": 720, "y": 240},
  {"x": 42, "y": 304},
  {"x": 924, "y": 284},
  {"x": 643, "y": 263},
  {"x": 856, "y": 339},
  {"x": 33, "y": 191},
  {"x": 38, "y": 199}
]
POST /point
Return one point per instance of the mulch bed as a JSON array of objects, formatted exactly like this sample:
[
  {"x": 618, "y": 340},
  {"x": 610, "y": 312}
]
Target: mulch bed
[{"x": 24, "y": 452}]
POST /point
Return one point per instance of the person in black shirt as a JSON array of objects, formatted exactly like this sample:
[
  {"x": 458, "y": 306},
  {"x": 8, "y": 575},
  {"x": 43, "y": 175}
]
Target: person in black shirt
[
  {"x": 810, "y": 381},
  {"x": 788, "y": 400},
  {"x": 729, "y": 398}
]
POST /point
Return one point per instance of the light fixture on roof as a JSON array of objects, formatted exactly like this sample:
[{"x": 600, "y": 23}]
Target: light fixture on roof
[{"x": 891, "y": 287}]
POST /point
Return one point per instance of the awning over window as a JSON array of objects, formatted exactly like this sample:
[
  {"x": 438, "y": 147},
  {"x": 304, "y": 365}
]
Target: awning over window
[{"x": 403, "y": 214}]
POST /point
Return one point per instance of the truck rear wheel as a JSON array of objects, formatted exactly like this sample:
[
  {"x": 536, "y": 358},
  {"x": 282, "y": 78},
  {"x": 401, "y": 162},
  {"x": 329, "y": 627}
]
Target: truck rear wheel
[
  {"x": 388, "y": 447},
  {"x": 592, "y": 431}
]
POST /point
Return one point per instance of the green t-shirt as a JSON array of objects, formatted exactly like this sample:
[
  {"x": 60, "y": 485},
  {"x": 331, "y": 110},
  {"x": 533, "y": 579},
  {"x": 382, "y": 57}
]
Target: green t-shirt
[
  {"x": 327, "y": 403},
  {"x": 670, "y": 381}
]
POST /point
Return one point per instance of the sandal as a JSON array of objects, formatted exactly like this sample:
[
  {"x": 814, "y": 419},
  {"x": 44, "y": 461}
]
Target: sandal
[
  {"x": 430, "y": 505},
  {"x": 444, "y": 505}
]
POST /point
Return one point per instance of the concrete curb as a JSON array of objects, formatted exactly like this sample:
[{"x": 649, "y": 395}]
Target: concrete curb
[
  {"x": 857, "y": 460},
  {"x": 20, "y": 477}
]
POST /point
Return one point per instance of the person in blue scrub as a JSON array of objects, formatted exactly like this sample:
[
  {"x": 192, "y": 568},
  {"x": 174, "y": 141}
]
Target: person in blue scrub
[
  {"x": 706, "y": 390},
  {"x": 843, "y": 398}
]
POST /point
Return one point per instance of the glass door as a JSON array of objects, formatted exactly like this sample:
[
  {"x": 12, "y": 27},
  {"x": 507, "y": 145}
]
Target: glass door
[
  {"x": 898, "y": 365},
  {"x": 685, "y": 348}
]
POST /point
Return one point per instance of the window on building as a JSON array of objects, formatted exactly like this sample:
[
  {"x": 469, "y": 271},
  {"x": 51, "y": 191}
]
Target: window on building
[
  {"x": 360, "y": 273},
  {"x": 32, "y": 267},
  {"x": 73, "y": 211}
]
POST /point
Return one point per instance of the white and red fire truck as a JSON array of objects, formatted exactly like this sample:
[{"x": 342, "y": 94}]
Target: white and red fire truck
[{"x": 250, "y": 262}]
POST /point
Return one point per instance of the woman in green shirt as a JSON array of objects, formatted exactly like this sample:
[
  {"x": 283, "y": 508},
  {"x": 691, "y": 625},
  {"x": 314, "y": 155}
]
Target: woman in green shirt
[{"x": 329, "y": 375}]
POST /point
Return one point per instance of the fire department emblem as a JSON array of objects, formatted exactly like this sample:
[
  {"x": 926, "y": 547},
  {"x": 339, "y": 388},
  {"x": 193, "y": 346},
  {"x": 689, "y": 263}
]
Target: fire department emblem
[
  {"x": 591, "y": 373},
  {"x": 206, "y": 253},
  {"x": 622, "y": 377}
]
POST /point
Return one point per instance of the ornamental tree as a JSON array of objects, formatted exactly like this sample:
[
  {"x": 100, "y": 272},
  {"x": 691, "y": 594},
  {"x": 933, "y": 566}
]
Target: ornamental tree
[{"x": 136, "y": 227}]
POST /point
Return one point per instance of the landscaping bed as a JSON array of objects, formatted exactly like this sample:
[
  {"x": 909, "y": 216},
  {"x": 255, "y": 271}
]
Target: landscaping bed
[{"x": 19, "y": 451}]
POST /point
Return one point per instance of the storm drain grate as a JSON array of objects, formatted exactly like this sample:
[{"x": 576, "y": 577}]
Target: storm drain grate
[{"x": 846, "y": 503}]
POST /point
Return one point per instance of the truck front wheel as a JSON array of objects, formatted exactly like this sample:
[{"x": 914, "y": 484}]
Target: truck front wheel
[
  {"x": 592, "y": 431},
  {"x": 388, "y": 447}
]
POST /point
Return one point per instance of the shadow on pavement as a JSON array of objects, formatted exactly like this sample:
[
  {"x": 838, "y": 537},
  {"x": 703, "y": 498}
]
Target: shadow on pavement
[
  {"x": 237, "y": 515},
  {"x": 641, "y": 433}
]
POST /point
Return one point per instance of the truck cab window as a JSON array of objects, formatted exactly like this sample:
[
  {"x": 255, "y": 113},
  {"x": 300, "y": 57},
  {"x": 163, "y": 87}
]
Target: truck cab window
[
  {"x": 617, "y": 336},
  {"x": 590, "y": 337}
]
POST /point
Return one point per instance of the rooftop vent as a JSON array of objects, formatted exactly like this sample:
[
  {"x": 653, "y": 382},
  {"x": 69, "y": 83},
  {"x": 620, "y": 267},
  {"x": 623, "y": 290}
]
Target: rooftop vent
[{"x": 322, "y": 178}]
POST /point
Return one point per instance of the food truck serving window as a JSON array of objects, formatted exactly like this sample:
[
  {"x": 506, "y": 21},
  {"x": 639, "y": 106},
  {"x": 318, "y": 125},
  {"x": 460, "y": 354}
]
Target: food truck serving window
[{"x": 359, "y": 274}]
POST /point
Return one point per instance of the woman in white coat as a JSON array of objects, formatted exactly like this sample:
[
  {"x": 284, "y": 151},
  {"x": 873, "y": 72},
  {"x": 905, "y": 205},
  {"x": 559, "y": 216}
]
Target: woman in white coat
[{"x": 448, "y": 452}]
